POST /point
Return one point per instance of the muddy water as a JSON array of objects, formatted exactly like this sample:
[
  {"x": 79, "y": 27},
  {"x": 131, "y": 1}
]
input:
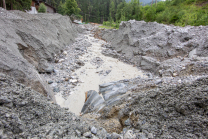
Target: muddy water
[{"x": 93, "y": 74}]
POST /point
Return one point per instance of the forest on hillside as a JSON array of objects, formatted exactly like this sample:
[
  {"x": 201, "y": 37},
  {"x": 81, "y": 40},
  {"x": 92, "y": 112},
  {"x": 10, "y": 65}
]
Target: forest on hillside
[
  {"x": 112, "y": 12},
  {"x": 177, "y": 12}
]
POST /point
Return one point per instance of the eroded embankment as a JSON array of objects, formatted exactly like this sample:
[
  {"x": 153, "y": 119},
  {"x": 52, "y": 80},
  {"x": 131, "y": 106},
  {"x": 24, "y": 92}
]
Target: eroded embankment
[{"x": 29, "y": 43}]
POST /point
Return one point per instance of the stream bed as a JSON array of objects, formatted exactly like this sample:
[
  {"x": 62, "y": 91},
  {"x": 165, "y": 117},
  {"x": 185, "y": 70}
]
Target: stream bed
[{"x": 95, "y": 69}]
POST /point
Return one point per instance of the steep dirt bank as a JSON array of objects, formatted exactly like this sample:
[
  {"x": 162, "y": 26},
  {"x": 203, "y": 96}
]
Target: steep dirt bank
[{"x": 28, "y": 44}]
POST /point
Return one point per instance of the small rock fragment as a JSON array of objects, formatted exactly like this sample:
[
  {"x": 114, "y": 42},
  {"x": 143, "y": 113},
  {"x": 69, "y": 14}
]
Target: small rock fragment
[
  {"x": 129, "y": 135},
  {"x": 65, "y": 52},
  {"x": 127, "y": 122},
  {"x": 94, "y": 130},
  {"x": 78, "y": 133},
  {"x": 50, "y": 82},
  {"x": 175, "y": 74},
  {"x": 66, "y": 79},
  {"x": 87, "y": 135}
]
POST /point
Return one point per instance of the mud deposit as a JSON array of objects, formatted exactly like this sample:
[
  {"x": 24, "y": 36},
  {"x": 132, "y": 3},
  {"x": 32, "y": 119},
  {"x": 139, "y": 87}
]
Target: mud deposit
[{"x": 98, "y": 69}]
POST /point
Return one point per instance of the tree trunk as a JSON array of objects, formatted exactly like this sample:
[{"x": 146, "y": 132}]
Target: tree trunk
[
  {"x": 4, "y": 4},
  {"x": 12, "y": 6},
  {"x": 152, "y": 2},
  {"x": 155, "y": 2}
]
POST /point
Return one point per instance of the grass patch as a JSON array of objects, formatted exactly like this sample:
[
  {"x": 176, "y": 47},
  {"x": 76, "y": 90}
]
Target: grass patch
[{"x": 106, "y": 27}]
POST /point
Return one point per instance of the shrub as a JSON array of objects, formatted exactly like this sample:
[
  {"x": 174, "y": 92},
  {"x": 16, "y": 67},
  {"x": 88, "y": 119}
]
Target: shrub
[
  {"x": 107, "y": 23},
  {"x": 42, "y": 8}
]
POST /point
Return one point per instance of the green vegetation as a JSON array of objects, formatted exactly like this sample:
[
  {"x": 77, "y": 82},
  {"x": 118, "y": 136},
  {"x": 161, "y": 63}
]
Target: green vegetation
[
  {"x": 112, "y": 12},
  {"x": 18, "y": 4},
  {"x": 107, "y": 27},
  {"x": 98, "y": 11},
  {"x": 177, "y": 12},
  {"x": 68, "y": 8},
  {"x": 42, "y": 8}
]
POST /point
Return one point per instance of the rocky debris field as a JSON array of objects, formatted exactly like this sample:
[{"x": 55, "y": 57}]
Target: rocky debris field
[
  {"x": 155, "y": 108},
  {"x": 29, "y": 43},
  {"x": 45, "y": 57},
  {"x": 63, "y": 79},
  {"x": 172, "y": 101},
  {"x": 161, "y": 49},
  {"x": 82, "y": 67},
  {"x": 25, "y": 113}
]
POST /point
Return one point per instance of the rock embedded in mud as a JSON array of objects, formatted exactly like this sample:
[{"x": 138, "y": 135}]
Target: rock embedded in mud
[
  {"x": 87, "y": 135},
  {"x": 56, "y": 89},
  {"x": 175, "y": 74},
  {"x": 127, "y": 122},
  {"x": 129, "y": 135},
  {"x": 80, "y": 63},
  {"x": 78, "y": 133},
  {"x": 111, "y": 90},
  {"x": 93, "y": 102},
  {"x": 50, "y": 82},
  {"x": 115, "y": 136},
  {"x": 73, "y": 80},
  {"x": 148, "y": 63},
  {"x": 61, "y": 60},
  {"x": 65, "y": 52},
  {"x": 94, "y": 130},
  {"x": 66, "y": 79}
]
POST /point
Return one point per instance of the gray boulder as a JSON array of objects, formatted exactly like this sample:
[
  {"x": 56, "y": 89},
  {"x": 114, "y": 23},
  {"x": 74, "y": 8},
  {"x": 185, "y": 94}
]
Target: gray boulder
[{"x": 93, "y": 102}]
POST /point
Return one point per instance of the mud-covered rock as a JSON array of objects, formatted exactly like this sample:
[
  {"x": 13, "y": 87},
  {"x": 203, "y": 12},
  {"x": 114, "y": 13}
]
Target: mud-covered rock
[
  {"x": 93, "y": 101},
  {"x": 111, "y": 90}
]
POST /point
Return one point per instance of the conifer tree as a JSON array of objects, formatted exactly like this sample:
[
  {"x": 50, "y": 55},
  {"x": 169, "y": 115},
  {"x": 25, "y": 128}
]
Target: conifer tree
[{"x": 71, "y": 7}]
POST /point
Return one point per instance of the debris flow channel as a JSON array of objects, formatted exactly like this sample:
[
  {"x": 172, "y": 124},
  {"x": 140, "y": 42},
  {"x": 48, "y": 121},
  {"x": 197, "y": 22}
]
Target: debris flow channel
[{"x": 97, "y": 69}]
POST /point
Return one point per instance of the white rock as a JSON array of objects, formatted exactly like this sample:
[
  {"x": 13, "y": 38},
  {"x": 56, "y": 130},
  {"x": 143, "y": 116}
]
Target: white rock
[
  {"x": 73, "y": 80},
  {"x": 175, "y": 74},
  {"x": 150, "y": 136},
  {"x": 54, "y": 84},
  {"x": 65, "y": 52},
  {"x": 129, "y": 135},
  {"x": 61, "y": 60},
  {"x": 71, "y": 93}
]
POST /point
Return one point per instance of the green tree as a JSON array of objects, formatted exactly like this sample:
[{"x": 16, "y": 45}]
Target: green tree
[
  {"x": 71, "y": 7},
  {"x": 112, "y": 11},
  {"x": 61, "y": 8},
  {"x": 18, "y": 4},
  {"x": 42, "y": 8}
]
